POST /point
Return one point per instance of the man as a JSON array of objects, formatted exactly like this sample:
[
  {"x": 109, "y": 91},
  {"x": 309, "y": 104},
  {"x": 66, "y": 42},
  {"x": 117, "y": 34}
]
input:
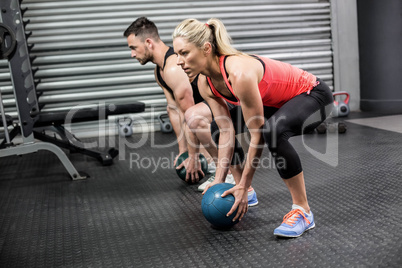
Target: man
[{"x": 181, "y": 95}]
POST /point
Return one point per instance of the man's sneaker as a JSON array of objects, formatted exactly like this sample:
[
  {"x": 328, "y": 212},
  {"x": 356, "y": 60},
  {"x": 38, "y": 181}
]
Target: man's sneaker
[
  {"x": 201, "y": 188},
  {"x": 229, "y": 179},
  {"x": 211, "y": 168},
  {"x": 295, "y": 223},
  {"x": 252, "y": 197}
]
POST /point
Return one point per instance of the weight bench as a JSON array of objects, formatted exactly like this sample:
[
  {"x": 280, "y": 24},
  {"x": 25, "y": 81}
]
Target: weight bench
[
  {"x": 33, "y": 124},
  {"x": 53, "y": 122}
]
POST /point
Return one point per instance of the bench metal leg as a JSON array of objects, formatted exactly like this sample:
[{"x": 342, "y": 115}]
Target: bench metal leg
[
  {"x": 27, "y": 148},
  {"x": 68, "y": 141}
]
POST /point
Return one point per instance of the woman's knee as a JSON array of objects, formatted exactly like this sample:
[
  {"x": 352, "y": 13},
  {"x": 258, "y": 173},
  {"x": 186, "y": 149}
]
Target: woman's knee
[
  {"x": 238, "y": 153},
  {"x": 273, "y": 132}
]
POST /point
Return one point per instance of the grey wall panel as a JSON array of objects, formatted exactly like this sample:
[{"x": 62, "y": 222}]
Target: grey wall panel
[
  {"x": 380, "y": 56},
  {"x": 81, "y": 56},
  {"x": 346, "y": 49}
]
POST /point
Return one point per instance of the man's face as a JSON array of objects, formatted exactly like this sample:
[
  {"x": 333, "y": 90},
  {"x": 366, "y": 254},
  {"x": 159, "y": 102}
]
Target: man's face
[{"x": 139, "y": 49}]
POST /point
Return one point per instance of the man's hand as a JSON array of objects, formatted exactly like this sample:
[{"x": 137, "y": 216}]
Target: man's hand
[{"x": 193, "y": 169}]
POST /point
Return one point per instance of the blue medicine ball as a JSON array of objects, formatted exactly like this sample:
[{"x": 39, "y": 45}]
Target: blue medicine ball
[{"x": 214, "y": 207}]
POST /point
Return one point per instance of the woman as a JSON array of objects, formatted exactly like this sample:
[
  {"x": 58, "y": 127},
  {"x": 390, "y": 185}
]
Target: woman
[{"x": 277, "y": 101}]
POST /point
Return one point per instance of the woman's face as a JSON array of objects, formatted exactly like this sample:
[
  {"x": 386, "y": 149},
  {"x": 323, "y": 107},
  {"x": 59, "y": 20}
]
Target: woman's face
[{"x": 189, "y": 57}]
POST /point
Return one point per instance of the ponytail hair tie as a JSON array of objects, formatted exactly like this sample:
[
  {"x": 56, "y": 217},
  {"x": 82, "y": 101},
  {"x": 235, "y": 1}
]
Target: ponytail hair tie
[{"x": 207, "y": 25}]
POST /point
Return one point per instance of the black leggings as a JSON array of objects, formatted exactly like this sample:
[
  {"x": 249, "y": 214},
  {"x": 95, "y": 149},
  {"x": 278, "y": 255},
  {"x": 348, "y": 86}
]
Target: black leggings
[{"x": 302, "y": 114}]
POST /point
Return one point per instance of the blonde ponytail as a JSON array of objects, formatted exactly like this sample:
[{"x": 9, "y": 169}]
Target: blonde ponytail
[{"x": 213, "y": 31}]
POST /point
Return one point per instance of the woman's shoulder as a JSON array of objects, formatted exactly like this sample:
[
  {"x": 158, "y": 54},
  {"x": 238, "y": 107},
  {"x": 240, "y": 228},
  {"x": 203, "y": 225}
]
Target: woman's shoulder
[
  {"x": 230, "y": 59},
  {"x": 241, "y": 65}
]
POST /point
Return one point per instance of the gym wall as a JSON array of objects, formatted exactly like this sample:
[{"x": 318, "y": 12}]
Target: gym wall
[
  {"x": 380, "y": 39},
  {"x": 81, "y": 57}
]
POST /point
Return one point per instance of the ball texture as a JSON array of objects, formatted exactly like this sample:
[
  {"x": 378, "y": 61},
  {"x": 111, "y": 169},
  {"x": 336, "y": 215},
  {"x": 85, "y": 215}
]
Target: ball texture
[{"x": 214, "y": 207}]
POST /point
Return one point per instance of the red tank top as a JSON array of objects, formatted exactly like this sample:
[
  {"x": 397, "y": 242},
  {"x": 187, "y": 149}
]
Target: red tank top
[{"x": 280, "y": 83}]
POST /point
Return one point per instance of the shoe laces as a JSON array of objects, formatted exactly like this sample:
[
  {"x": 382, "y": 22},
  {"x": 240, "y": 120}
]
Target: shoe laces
[
  {"x": 291, "y": 218},
  {"x": 211, "y": 179}
]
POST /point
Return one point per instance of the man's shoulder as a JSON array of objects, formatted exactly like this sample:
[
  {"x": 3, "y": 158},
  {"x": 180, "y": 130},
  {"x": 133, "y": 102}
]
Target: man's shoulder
[{"x": 171, "y": 67}]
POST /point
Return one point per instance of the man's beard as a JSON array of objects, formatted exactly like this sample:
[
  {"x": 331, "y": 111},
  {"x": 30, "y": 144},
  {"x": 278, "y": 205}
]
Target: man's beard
[{"x": 147, "y": 58}]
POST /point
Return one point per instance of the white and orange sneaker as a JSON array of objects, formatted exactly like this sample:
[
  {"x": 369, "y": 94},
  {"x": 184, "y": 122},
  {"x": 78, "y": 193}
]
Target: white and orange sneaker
[{"x": 295, "y": 223}]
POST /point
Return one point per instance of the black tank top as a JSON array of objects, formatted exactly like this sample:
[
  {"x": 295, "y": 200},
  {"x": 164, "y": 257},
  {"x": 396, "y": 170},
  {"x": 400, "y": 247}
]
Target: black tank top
[{"x": 196, "y": 93}]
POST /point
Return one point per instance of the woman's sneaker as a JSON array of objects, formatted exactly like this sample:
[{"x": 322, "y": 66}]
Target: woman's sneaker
[
  {"x": 295, "y": 223},
  {"x": 252, "y": 197},
  {"x": 229, "y": 179}
]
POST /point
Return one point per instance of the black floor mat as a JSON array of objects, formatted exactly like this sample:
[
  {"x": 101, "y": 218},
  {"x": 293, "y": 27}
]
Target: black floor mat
[{"x": 138, "y": 213}]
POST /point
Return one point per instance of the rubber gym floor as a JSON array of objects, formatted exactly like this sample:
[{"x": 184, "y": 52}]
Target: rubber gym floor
[{"x": 138, "y": 213}]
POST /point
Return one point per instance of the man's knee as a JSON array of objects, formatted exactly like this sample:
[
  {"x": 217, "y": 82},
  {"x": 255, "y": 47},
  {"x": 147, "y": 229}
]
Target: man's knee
[{"x": 196, "y": 119}]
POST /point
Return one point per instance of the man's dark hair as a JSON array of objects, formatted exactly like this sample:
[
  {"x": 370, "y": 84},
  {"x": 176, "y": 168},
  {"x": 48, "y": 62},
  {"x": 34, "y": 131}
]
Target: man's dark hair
[{"x": 143, "y": 28}]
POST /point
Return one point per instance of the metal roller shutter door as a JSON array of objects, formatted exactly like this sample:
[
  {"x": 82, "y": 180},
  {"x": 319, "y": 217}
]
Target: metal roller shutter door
[{"x": 82, "y": 58}]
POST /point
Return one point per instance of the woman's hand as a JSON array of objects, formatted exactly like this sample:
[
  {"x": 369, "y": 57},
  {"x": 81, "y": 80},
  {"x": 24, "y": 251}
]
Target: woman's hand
[
  {"x": 216, "y": 181},
  {"x": 241, "y": 201}
]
